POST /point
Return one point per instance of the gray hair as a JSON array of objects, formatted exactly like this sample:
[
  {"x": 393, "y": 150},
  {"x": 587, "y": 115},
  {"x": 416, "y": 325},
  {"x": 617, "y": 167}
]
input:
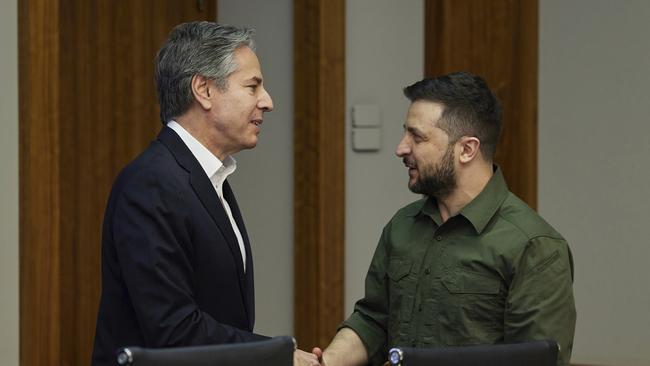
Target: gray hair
[{"x": 195, "y": 48}]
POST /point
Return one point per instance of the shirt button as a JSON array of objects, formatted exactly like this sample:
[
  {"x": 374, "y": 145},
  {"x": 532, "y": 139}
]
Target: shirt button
[
  {"x": 427, "y": 270},
  {"x": 420, "y": 308},
  {"x": 439, "y": 238}
]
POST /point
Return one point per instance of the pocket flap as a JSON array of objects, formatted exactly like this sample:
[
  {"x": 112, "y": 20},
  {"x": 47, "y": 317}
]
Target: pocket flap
[
  {"x": 467, "y": 282},
  {"x": 399, "y": 268}
]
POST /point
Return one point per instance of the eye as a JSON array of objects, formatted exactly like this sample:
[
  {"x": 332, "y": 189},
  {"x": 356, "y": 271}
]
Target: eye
[{"x": 417, "y": 138}]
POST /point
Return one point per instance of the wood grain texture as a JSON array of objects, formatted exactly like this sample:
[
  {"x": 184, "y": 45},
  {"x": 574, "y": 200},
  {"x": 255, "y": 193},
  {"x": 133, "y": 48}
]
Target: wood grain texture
[
  {"x": 499, "y": 41},
  {"x": 40, "y": 210},
  {"x": 87, "y": 107},
  {"x": 319, "y": 169}
]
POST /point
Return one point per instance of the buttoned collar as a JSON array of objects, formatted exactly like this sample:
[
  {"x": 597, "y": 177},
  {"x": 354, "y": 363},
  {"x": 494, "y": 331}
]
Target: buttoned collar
[
  {"x": 478, "y": 211},
  {"x": 483, "y": 207}
]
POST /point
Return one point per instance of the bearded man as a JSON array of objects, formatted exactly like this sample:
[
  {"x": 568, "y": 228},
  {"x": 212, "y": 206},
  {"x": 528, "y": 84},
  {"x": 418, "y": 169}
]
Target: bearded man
[{"x": 469, "y": 263}]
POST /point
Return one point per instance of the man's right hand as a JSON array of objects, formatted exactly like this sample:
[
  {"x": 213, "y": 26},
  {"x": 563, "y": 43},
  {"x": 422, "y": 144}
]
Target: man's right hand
[
  {"x": 346, "y": 349},
  {"x": 319, "y": 355}
]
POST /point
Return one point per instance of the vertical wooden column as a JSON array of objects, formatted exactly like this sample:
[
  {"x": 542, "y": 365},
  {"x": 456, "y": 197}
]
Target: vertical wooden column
[
  {"x": 40, "y": 205},
  {"x": 319, "y": 163},
  {"x": 497, "y": 39}
]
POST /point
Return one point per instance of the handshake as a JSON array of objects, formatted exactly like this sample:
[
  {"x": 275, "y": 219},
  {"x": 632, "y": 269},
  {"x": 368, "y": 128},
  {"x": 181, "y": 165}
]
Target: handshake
[
  {"x": 302, "y": 358},
  {"x": 346, "y": 349}
]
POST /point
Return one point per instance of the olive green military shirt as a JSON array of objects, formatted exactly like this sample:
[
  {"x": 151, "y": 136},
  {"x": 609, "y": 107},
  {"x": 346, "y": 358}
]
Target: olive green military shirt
[{"x": 494, "y": 273}]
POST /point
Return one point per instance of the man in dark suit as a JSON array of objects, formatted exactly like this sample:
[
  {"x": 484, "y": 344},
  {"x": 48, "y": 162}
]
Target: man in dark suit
[{"x": 177, "y": 268}]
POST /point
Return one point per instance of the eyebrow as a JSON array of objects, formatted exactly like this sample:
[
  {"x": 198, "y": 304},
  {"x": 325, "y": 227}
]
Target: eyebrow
[
  {"x": 413, "y": 130},
  {"x": 258, "y": 80}
]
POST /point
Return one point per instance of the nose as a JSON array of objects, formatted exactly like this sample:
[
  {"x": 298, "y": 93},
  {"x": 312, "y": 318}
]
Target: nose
[
  {"x": 403, "y": 147},
  {"x": 265, "y": 102}
]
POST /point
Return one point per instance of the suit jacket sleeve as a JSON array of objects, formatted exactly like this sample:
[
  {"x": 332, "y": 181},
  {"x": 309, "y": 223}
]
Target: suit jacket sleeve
[{"x": 152, "y": 237}]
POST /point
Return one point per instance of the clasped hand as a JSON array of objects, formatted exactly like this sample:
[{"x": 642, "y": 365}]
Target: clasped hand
[{"x": 302, "y": 358}]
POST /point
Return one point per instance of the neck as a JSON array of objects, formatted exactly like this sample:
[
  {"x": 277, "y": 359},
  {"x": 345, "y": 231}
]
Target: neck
[
  {"x": 199, "y": 129},
  {"x": 470, "y": 183}
]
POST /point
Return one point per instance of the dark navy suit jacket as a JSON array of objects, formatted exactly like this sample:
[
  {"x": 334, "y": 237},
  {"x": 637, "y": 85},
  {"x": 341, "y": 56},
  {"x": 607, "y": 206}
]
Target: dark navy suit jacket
[{"x": 172, "y": 272}]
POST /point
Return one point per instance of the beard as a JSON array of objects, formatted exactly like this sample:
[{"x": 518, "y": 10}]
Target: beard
[{"x": 437, "y": 180}]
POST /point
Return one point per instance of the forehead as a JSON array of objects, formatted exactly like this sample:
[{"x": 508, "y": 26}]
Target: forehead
[
  {"x": 424, "y": 114},
  {"x": 247, "y": 63}
]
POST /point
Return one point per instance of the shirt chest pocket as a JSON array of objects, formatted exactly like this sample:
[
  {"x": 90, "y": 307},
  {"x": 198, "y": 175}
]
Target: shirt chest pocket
[
  {"x": 466, "y": 282},
  {"x": 471, "y": 308}
]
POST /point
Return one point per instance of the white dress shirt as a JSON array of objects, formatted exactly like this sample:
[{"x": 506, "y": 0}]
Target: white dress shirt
[{"x": 216, "y": 170}]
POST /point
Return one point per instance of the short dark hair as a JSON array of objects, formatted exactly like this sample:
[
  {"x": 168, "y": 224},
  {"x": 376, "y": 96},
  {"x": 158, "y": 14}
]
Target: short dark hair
[
  {"x": 203, "y": 48},
  {"x": 470, "y": 107}
]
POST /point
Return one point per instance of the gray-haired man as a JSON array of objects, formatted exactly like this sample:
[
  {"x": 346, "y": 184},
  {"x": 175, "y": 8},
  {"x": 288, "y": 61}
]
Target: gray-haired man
[{"x": 177, "y": 268}]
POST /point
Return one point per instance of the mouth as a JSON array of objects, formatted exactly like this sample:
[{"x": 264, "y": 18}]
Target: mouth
[
  {"x": 257, "y": 122},
  {"x": 409, "y": 164}
]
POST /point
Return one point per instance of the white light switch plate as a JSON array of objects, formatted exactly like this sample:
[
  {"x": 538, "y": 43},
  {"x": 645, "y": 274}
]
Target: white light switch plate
[
  {"x": 365, "y": 115},
  {"x": 366, "y": 139}
]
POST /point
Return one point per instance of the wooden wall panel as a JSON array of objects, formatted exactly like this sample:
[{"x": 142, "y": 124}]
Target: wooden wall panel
[
  {"x": 319, "y": 169},
  {"x": 497, "y": 39},
  {"x": 87, "y": 107},
  {"x": 40, "y": 245}
]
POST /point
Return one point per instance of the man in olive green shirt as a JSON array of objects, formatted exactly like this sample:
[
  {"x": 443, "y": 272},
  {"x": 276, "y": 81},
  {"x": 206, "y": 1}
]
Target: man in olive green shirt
[{"x": 469, "y": 263}]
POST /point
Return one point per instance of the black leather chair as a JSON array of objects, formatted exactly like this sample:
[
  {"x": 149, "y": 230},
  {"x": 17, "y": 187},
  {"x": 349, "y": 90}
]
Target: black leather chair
[
  {"x": 536, "y": 353},
  {"x": 277, "y": 351}
]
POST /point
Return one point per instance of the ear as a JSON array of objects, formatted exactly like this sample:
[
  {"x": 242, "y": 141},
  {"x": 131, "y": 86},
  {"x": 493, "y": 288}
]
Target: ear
[
  {"x": 202, "y": 89},
  {"x": 469, "y": 148}
]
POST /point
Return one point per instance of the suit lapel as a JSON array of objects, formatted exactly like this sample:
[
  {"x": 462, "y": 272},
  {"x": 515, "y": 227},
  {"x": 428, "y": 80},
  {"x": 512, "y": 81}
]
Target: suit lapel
[
  {"x": 208, "y": 196},
  {"x": 249, "y": 283}
]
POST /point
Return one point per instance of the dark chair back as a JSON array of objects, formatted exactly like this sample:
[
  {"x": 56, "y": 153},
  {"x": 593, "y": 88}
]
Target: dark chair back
[
  {"x": 276, "y": 351},
  {"x": 536, "y": 353}
]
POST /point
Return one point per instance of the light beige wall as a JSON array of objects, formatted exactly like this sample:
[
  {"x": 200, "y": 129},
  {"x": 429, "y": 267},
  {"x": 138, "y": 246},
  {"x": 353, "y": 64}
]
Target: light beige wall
[
  {"x": 263, "y": 181},
  {"x": 380, "y": 60},
  {"x": 9, "y": 183},
  {"x": 384, "y": 53},
  {"x": 594, "y": 166}
]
